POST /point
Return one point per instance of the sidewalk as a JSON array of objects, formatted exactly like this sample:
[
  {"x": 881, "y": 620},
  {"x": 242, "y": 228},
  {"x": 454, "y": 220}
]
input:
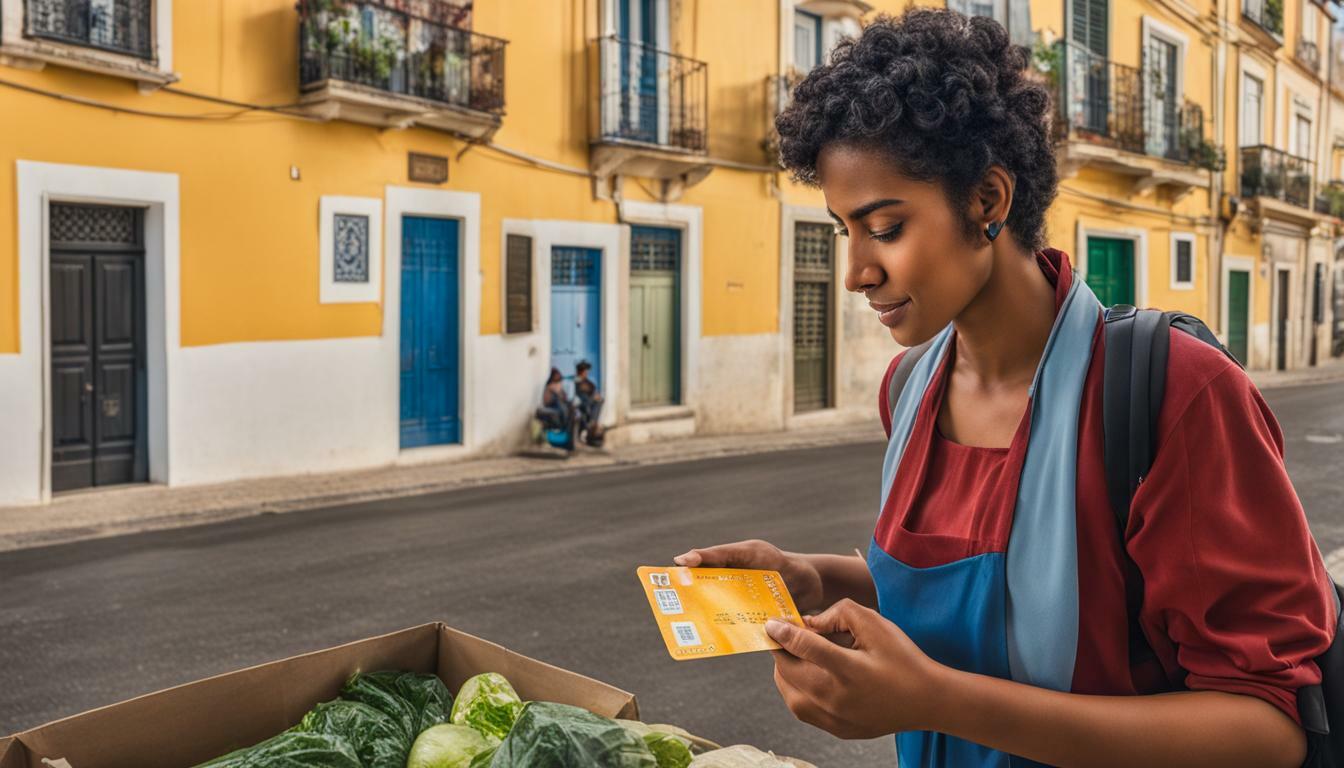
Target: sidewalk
[
  {"x": 95, "y": 514},
  {"x": 1325, "y": 373}
]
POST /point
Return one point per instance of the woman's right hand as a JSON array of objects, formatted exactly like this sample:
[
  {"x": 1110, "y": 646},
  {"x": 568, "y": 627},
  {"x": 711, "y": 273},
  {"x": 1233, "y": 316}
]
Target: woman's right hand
[{"x": 800, "y": 575}]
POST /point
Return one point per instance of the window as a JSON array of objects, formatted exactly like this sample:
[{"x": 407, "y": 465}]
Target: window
[
  {"x": 806, "y": 41},
  {"x": 1182, "y": 261},
  {"x": 1252, "y": 104},
  {"x": 1301, "y": 136},
  {"x": 518, "y": 284},
  {"x": 1309, "y": 22}
]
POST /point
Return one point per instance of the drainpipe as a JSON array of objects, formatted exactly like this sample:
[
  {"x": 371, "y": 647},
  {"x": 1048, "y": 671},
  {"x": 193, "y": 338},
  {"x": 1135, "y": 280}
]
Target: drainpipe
[{"x": 1217, "y": 239}]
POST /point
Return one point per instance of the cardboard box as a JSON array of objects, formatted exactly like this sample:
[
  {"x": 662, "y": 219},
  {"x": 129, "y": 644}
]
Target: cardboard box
[{"x": 183, "y": 726}]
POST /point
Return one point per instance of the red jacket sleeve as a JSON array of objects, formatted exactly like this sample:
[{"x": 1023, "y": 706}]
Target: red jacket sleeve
[
  {"x": 884, "y": 407},
  {"x": 1235, "y": 591}
]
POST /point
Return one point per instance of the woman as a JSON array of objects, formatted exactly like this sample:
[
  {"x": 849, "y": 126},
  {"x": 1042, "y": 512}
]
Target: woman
[
  {"x": 557, "y": 410},
  {"x": 991, "y": 617}
]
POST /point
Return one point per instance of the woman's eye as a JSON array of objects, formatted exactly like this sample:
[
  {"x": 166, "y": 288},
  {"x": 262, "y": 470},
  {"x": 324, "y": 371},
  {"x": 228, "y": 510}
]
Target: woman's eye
[
  {"x": 886, "y": 235},
  {"x": 841, "y": 231}
]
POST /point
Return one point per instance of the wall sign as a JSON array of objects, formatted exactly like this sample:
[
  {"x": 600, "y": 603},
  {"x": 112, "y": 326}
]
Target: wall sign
[{"x": 431, "y": 169}]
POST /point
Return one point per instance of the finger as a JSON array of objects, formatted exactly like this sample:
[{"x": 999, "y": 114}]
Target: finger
[
  {"x": 804, "y": 706},
  {"x": 845, "y": 617},
  {"x": 806, "y": 644},
  {"x": 739, "y": 554}
]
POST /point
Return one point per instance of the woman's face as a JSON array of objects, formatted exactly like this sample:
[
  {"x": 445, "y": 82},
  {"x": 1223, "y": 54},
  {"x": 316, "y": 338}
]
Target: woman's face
[{"x": 908, "y": 253}]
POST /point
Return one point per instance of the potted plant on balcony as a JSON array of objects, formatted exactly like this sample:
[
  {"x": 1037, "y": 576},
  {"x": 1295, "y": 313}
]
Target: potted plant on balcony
[
  {"x": 1202, "y": 152},
  {"x": 1274, "y": 16}
]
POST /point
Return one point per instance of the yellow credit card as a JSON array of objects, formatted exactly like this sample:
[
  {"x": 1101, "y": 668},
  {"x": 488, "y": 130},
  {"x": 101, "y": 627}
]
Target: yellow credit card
[{"x": 706, "y": 612}]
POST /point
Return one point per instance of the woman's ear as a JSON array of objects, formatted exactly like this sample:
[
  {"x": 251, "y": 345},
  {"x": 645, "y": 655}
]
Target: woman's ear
[{"x": 993, "y": 198}]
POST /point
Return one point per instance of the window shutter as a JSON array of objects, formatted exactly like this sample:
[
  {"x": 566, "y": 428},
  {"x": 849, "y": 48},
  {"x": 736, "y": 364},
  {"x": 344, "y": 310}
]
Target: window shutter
[
  {"x": 518, "y": 284},
  {"x": 1090, "y": 25}
]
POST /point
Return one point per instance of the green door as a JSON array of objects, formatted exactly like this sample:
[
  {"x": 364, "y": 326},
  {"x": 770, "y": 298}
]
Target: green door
[
  {"x": 1110, "y": 270},
  {"x": 1238, "y": 313},
  {"x": 655, "y": 338}
]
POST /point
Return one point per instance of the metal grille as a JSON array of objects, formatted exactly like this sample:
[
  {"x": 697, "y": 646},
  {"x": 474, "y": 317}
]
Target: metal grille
[
  {"x": 573, "y": 266},
  {"x": 813, "y": 274},
  {"x": 351, "y": 246},
  {"x": 652, "y": 96},
  {"x": 653, "y": 249},
  {"x": 94, "y": 224},
  {"x": 120, "y": 26},
  {"x": 518, "y": 284}
]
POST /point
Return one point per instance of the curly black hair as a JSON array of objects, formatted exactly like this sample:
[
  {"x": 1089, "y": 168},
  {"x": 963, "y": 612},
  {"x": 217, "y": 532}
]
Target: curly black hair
[{"x": 946, "y": 97}]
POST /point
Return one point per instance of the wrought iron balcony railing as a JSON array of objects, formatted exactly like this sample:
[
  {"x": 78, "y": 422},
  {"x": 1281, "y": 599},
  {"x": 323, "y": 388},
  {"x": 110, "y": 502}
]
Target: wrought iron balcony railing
[
  {"x": 1098, "y": 99},
  {"x": 1309, "y": 54},
  {"x": 1330, "y": 199},
  {"x": 1136, "y": 110},
  {"x": 1270, "y": 172},
  {"x": 117, "y": 26},
  {"x": 401, "y": 47},
  {"x": 651, "y": 96},
  {"x": 1267, "y": 14}
]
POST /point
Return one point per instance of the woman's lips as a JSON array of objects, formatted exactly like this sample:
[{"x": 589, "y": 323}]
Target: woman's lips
[{"x": 890, "y": 315}]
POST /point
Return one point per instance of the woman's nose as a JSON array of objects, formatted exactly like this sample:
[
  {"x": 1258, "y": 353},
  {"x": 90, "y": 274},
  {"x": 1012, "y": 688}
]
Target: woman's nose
[{"x": 862, "y": 275}]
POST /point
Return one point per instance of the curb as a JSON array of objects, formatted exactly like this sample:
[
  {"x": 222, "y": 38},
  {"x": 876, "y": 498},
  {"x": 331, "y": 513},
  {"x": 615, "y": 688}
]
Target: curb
[{"x": 546, "y": 469}]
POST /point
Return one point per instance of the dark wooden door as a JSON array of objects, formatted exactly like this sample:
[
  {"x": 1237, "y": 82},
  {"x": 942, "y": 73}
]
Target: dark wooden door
[{"x": 98, "y": 385}]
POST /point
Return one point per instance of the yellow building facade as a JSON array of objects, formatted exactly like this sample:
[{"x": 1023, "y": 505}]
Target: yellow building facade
[{"x": 246, "y": 239}]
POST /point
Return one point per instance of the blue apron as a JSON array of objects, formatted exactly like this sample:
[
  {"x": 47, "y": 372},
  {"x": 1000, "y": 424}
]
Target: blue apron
[{"x": 1012, "y": 614}]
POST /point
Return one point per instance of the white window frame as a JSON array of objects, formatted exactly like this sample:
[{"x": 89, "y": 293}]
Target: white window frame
[
  {"x": 816, "y": 35},
  {"x": 1184, "y": 237},
  {"x": 839, "y": 19},
  {"x": 1152, "y": 28},
  {"x": 330, "y": 291},
  {"x": 36, "y": 53},
  {"x": 1257, "y": 73}
]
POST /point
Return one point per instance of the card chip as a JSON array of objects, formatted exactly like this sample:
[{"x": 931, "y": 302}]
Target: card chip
[
  {"x": 685, "y": 633},
  {"x": 668, "y": 602}
]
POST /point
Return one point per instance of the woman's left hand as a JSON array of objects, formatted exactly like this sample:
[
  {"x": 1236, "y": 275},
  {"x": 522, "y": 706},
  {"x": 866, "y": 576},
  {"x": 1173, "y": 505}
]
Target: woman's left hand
[{"x": 881, "y": 685}]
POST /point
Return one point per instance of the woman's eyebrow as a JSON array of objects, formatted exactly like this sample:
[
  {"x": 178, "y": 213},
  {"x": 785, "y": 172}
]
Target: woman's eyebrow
[{"x": 867, "y": 208}]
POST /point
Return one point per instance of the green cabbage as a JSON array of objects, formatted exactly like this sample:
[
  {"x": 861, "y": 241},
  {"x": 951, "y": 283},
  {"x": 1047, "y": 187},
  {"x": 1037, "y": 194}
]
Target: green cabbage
[
  {"x": 379, "y": 740},
  {"x": 549, "y": 735},
  {"x": 292, "y": 749},
  {"x": 488, "y": 703},
  {"x": 415, "y": 700},
  {"x": 447, "y": 746},
  {"x": 670, "y": 751}
]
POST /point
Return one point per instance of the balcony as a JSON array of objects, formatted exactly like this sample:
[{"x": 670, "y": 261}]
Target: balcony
[
  {"x": 1267, "y": 172},
  {"x": 1265, "y": 14},
  {"x": 1128, "y": 121},
  {"x": 1330, "y": 199},
  {"x": 120, "y": 26},
  {"x": 398, "y": 63},
  {"x": 778, "y": 90},
  {"x": 1309, "y": 55},
  {"x": 116, "y": 37},
  {"x": 651, "y": 116}
]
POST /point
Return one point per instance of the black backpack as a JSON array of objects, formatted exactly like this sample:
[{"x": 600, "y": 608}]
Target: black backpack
[{"x": 1133, "y": 383}]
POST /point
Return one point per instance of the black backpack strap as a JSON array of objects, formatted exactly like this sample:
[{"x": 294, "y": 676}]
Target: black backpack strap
[
  {"x": 1133, "y": 384},
  {"x": 896, "y": 384}
]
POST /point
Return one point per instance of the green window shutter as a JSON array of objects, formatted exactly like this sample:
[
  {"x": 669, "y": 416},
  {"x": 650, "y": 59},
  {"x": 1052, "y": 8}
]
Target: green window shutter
[{"x": 1090, "y": 27}]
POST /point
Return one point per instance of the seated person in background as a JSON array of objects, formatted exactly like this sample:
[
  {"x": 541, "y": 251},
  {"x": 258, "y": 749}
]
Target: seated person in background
[
  {"x": 589, "y": 403},
  {"x": 556, "y": 411}
]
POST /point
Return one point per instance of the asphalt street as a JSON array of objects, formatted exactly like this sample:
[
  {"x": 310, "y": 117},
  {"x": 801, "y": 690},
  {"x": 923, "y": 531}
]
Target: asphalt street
[{"x": 545, "y": 567}]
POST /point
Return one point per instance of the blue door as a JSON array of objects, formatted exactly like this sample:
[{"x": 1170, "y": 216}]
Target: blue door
[
  {"x": 576, "y": 310},
  {"x": 430, "y": 369}
]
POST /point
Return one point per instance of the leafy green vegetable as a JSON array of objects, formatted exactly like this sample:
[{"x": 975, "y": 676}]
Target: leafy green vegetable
[
  {"x": 670, "y": 751},
  {"x": 292, "y": 749},
  {"x": 379, "y": 740},
  {"x": 488, "y": 703},
  {"x": 447, "y": 746},
  {"x": 416, "y": 701},
  {"x": 483, "y": 759},
  {"x": 549, "y": 735}
]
